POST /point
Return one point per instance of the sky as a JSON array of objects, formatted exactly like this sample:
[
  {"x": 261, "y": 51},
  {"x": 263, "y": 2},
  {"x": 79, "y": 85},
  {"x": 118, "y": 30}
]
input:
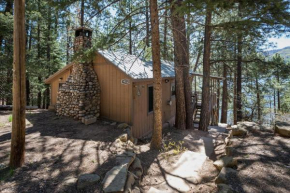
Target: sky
[{"x": 281, "y": 42}]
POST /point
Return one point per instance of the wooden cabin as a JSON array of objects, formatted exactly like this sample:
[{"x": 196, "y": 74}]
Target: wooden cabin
[{"x": 126, "y": 90}]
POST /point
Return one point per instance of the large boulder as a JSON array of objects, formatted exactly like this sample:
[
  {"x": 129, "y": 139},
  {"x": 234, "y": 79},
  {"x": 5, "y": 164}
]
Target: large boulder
[
  {"x": 240, "y": 131},
  {"x": 125, "y": 158},
  {"x": 225, "y": 161},
  {"x": 86, "y": 180},
  {"x": 226, "y": 175},
  {"x": 282, "y": 128},
  {"x": 224, "y": 188},
  {"x": 115, "y": 179}
]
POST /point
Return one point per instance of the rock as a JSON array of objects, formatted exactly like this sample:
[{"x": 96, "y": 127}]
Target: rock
[
  {"x": 226, "y": 161},
  {"x": 230, "y": 134},
  {"x": 234, "y": 127},
  {"x": 282, "y": 128},
  {"x": 230, "y": 151},
  {"x": 239, "y": 132},
  {"x": 224, "y": 188},
  {"x": 125, "y": 158},
  {"x": 114, "y": 123},
  {"x": 226, "y": 175},
  {"x": 136, "y": 190},
  {"x": 123, "y": 126},
  {"x": 137, "y": 164},
  {"x": 130, "y": 182},
  {"x": 123, "y": 137},
  {"x": 154, "y": 190},
  {"x": 227, "y": 141},
  {"x": 86, "y": 180},
  {"x": 89, "y": 121},
  {"x": 70, "y": 181},
  {"x": 115, "y": 179}
]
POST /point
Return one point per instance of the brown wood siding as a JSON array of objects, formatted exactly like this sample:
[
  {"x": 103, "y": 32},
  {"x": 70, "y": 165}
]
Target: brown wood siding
[
  {"x": 143, "y": 121},
  {"x": 115, "y": 97},
  {"x": 55, "y": 85}
]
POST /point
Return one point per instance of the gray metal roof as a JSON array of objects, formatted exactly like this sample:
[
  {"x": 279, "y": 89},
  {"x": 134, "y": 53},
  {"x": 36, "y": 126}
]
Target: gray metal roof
[{"x": 135, "y": 67}]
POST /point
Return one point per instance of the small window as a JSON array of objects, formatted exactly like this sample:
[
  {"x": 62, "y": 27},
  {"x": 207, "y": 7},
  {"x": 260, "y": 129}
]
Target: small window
[
  {"x": 150, "y": 99},
  {"x": 173, "y": 92}
]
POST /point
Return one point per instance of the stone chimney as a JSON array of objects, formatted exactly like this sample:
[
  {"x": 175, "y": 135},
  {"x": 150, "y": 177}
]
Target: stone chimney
[{"x": 79, "y": 96}]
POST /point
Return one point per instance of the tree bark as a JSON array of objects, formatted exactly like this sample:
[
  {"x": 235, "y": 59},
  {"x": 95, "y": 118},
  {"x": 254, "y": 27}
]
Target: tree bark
[
  {"x": 147, "y": 23},
  {"x": 235, "y": 99},
  {"x": 258, "y": 99},
  {"x": 82, "y": 12},
  {"x": 205, "y": 114},
  {"x": 224, "y": 115},
  {"x": 239, "y": 79},
  {"x": 157, "y": 93},
  {"x": 27, "y": 91},
  {"x": 278, "y": 93},
  {"x": 165, "y": 52},
  {"x": 184, "y": 107},
  {"x": 18, "y": 122}
]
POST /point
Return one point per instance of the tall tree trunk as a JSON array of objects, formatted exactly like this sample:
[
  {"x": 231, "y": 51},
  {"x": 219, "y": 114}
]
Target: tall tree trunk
[
  {"x": 239, "y": 79},
  {"x": 165, "y": 49},
  {"x": 235, "y": 99},
  {"x": 224, "y": 115},
  {"x": 205, "y": 114},
  {"x": 130, "y": 30},
  {"x": 147, "y": 22},
  {"x": 278, "y": 93},
  {"x": 275, "y": 101},
  {"x": 43, "y": 99},
  {"x": 47, "y": 98},
  {"x": 82, "y": 12},
  {"x": 18, "y": 121},
  {"x": 27, "y": 91},
  {"x": 180, "y": 61},
  {"x": 157, "y": 93},
  {"x": 258, "y": 98},
  {"x": 67, "y": 44}
]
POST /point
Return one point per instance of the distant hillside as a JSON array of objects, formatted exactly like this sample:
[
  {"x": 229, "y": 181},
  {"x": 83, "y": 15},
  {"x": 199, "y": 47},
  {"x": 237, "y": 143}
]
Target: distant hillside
[{"x": 284, "y": 52}]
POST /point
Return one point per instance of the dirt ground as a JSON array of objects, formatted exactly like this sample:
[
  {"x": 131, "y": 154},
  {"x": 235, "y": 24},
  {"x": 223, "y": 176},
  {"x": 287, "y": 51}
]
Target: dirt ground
[
  {"x": 58, "y": 150},
  {"x": 263, "y": 162}
]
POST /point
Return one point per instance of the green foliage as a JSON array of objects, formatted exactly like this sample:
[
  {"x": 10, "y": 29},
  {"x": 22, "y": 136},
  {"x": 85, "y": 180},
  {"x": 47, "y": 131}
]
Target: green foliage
[
  {"x": 171, "y": 148},
  {"x": 10, "y": 118}
]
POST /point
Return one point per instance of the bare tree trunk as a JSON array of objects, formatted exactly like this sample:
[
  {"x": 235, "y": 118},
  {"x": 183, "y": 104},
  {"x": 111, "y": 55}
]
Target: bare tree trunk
[
  {"x": 82, "y": 12},
  {"x": 165, "y": 52},
  {"x": 27, "y": 91},
  {"x": 258, "y": 98},
  {"x": 18, "y": 122},
  {"x": 224, "y": 115},
  {"x": 147, "y": 23},
  {"x": 38, "y": 56},
  {"x": 235, "y": 99},
  {"x": 130, "y": 30},
  {"x": 181, "y": 62},
  {"x": 278, "y": 93},
  {"x": 157, "y": 93},
  {"x": 205, "y": 114},
  {"x": 275, "y": 101}
]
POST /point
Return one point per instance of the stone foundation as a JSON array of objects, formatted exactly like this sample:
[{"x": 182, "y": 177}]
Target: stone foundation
[{"x": 79, "y": 96}]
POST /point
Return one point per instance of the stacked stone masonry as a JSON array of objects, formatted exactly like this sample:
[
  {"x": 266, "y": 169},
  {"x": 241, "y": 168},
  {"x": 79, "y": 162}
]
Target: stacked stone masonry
[{"x": 79, "y": 96}]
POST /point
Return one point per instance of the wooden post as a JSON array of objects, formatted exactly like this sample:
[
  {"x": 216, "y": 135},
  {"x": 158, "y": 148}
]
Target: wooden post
[{"x": 19, "y": 101}]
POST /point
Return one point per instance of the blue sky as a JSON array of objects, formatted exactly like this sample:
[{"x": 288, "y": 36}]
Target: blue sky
[{"x": 281, "y": 42}]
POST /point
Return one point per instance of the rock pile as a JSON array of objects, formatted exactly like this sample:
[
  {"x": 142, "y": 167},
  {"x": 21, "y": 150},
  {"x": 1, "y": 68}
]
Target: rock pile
[
  {"x": 79, "y": 96},
  {"x": 227, "y": 163},
  {"x": 126, "y": 175},
  {"x": 282, "y": 128}
]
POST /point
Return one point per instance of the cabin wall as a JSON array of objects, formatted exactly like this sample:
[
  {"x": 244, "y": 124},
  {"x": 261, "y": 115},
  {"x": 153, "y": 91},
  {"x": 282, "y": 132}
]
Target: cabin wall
[
  {"x": 55, "y": 85},
  {"x": 142, "y": 119},
  {"x": 116, "y": 98}
]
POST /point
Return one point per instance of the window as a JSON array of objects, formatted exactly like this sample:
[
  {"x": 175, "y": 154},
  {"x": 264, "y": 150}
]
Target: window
[
  {"x": 150, "y": 99},
  {"x": 173, "y": 92}
]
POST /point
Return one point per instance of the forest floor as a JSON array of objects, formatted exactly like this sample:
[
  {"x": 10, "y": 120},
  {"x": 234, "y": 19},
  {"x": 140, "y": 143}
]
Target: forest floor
[
  {"x": 263, "y": 162},
  {"x": 58, "y": 150}
]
